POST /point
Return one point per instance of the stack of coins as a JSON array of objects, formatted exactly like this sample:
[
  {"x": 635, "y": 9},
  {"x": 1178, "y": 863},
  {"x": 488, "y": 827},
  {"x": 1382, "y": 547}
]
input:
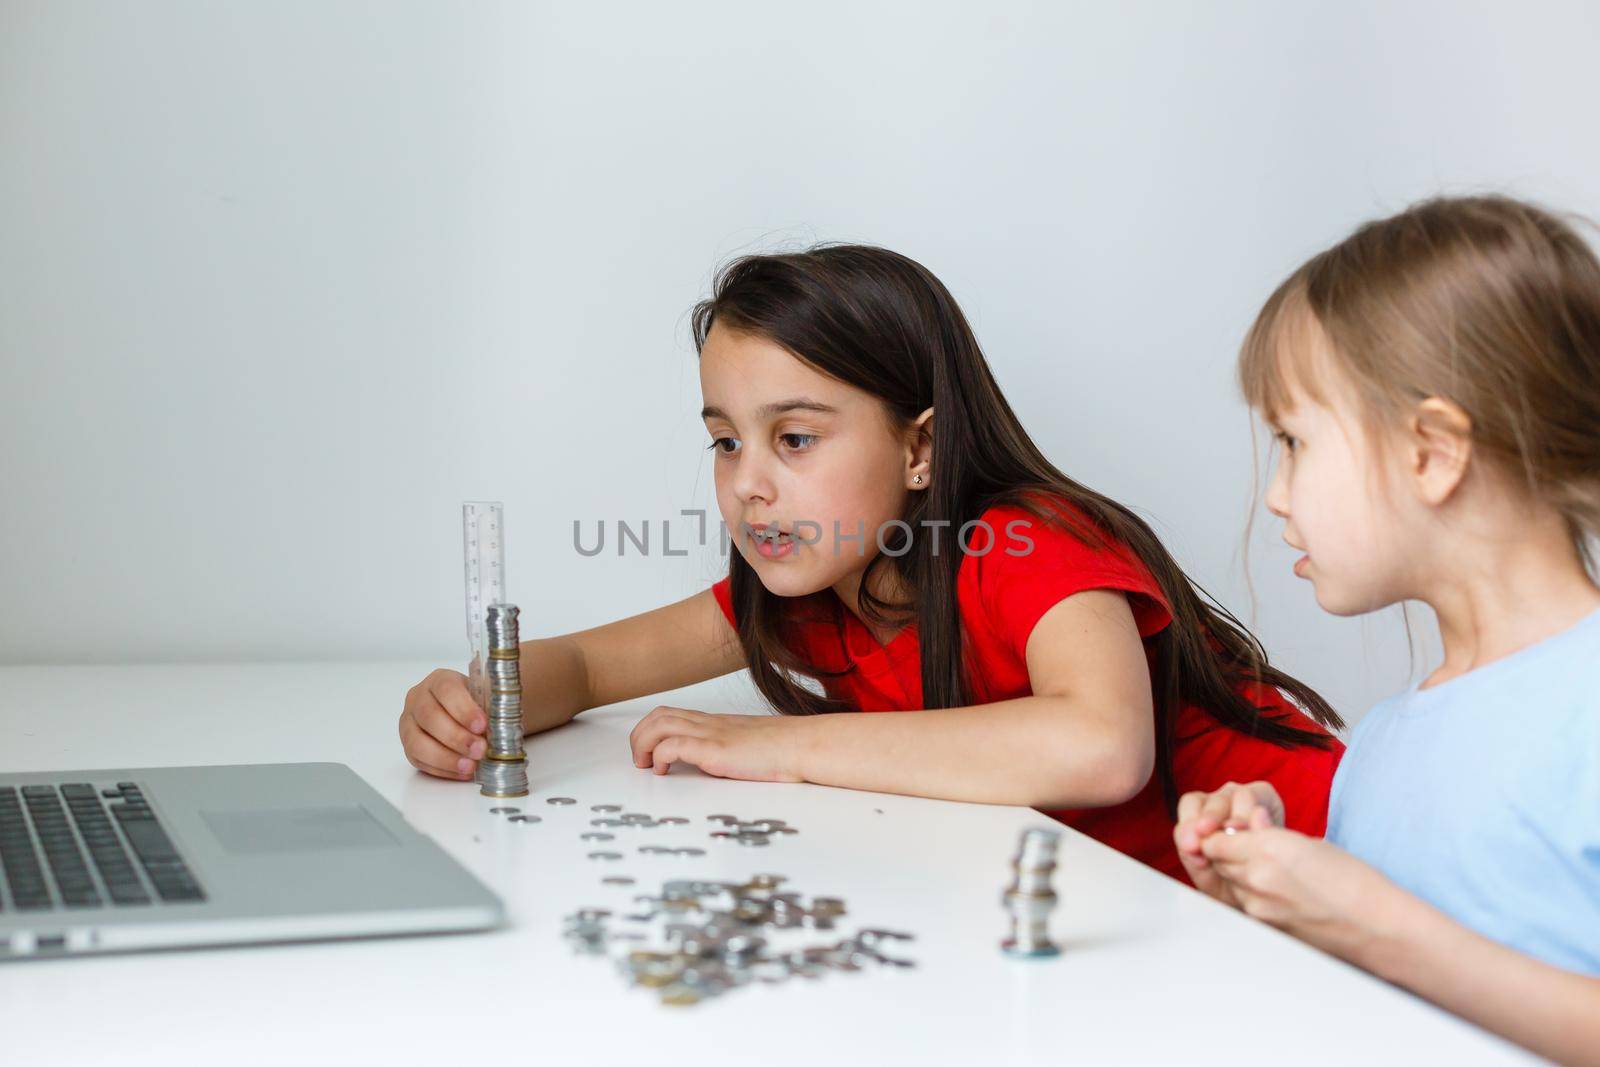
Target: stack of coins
[
  {"x": 1030, "y": 899},
  {"x": 503, "y": 771}
]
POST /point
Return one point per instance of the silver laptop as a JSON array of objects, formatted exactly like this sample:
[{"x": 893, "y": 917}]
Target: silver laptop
[{"x": 166, "y": 857}]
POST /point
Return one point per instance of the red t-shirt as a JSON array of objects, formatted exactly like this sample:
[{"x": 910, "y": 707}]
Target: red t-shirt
[{"x": 1001, "y": 597}]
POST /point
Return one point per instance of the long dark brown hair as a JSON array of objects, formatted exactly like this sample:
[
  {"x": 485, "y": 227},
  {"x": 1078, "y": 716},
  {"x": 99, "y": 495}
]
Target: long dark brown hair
[{"x": 883, "y": 323}]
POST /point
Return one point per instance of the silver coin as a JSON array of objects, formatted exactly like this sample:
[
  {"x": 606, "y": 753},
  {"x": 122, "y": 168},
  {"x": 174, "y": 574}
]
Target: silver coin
[
  {"x": 605, "y": 855},
  {"x": 673, "y": 820},
  {"x": 654, "y": 850},
  {"x": 617, "y": 879},
  {"x": 596, "y": 835},
  {"x": 605, "y": 822},
  {"x": 560, "y": 800},
  {"x": 726, "y": 820},
  {"x": 605, "y": 807},
  {"x": 524, "y": 818},
  {"x": 504, "y": 811},
  {"x": 690, "y": 851}
]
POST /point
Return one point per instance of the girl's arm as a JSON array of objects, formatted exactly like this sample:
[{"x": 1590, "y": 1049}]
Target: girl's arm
[
  {"x": 1555, "y": 1013},
  {"x": 441, "y": 726},
  {"x": 1329, "y": 898},
  {"x": 1086, "y": 737},
  {"x": 668, "y": 648}
]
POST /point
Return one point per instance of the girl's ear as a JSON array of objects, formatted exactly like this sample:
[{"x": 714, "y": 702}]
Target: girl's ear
[
  {"x": 919, "y": 451},
  {"x": 1441, "y": 448}
]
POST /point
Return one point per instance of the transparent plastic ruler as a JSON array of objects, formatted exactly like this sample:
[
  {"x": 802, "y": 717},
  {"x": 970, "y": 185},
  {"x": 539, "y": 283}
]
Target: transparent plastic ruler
[{"x": 482, "y": 528}]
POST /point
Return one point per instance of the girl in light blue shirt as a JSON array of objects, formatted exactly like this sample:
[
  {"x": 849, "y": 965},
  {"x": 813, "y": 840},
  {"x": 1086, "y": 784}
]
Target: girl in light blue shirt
[{"x": 1434, "y": 384}]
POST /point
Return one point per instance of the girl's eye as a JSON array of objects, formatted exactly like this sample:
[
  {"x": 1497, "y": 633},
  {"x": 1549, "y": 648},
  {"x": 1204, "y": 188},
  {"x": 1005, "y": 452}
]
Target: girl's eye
[
  {"x": 717, "y": 445},
  {"x": 797, "y": 441},
  {"x": 1290, "y": 444}
]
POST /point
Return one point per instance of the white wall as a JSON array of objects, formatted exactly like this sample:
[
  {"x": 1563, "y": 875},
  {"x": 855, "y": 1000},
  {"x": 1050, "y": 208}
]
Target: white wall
[{"x": 281, "y": 284}]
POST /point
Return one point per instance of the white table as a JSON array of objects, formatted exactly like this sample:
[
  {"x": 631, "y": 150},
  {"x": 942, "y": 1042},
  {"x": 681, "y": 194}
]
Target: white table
[{"x": 1152, "y": 972}]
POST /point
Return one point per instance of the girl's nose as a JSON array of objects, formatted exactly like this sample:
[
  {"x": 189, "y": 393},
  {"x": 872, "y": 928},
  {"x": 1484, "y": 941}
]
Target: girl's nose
[
  {"x": 1277, "y": 502},
  {"x": 751, "y": 481},
  {"x": 1277, "y": 499}
]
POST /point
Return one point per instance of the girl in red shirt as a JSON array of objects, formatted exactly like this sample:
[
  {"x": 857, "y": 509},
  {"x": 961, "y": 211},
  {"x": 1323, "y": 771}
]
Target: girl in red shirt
[{"x": 902, "y": 545}]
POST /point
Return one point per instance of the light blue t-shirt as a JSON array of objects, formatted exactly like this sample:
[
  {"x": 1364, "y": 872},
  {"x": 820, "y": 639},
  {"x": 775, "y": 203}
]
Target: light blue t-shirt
[{"x": 1481, "y": 795}]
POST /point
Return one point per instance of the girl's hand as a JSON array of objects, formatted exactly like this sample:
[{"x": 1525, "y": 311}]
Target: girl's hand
[
  {"x": 1253, "y": 806},
  {"x": 441, "y": 726},
  {"x": 756, "y": 748},
  {"x": 1303, "y": 885}
]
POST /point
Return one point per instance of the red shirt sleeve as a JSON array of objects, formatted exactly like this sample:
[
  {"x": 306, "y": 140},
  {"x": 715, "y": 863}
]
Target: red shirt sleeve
[
  {"x": 722, "y": 589},
  {"x": 1033, "y": 566}
]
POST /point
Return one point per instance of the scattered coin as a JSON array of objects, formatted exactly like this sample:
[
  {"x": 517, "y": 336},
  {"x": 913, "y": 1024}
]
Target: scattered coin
[
  {"x": 524, "y": 818},
  {"x": 617, "y": 879},
  {"x": 504, "y": 811},
  {"x": 757, "y": 833},
  {"x": 673, "y": 820},
  {"x": 605, "y": 807},
  {"x": 727, "y": 944},
  {"x": 595, "y": 835},
  {"x": 605, "y": 855}
]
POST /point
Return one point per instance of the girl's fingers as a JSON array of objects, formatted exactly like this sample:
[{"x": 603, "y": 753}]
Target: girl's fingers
[
  {"x": 639, "y": 728},
  {"x": 430, "y": 757},
  {"x": 662, "y": 758},
  {"x": 439, "y": 724},
  {"x": 648, "y": 735},
  {"x": 1211, "y": 884},
  {"x": 1186, "y": 835},
  {"x": 1244, "y": 806},
  {"x": 1219, "y": 804},
  {"x": 449, "y": 689},
  {"x": 1229, "y": 848},
  {"x": 677, "y": 749}
]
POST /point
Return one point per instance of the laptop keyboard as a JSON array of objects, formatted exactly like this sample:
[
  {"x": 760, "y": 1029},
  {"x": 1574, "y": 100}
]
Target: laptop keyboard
[{"x": 37, "y": 835}]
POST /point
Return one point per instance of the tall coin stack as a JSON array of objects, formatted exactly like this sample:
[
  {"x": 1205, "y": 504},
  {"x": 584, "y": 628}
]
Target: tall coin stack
[
  {"x": 503, "y": 771},
  {"x": 1030, "y": 899}
]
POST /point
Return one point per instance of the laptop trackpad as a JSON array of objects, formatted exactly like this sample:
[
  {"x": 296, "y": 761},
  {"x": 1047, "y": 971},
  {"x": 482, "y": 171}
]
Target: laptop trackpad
[{"x": 296, "y": 829}]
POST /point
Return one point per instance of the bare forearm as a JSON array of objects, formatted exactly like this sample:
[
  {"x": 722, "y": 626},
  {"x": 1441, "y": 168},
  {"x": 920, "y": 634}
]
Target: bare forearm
[
  {"x": 1555, "y": 1013},
  {"x": 1036, "y": 751},
  {"x": 555, "y": 684}
]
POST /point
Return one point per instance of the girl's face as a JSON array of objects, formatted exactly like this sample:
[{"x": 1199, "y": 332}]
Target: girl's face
[
  {"x": 1331, "y": 490},
  {"x": 801, "y": 453}
]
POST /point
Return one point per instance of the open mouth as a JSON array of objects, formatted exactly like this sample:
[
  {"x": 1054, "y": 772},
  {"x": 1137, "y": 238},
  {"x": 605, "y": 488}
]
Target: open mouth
[{"x": 772, "y": 542}]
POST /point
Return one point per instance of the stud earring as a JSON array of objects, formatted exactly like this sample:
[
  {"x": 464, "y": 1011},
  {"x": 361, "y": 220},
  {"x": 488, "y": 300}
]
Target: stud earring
[{"x": 916, "y": 479}]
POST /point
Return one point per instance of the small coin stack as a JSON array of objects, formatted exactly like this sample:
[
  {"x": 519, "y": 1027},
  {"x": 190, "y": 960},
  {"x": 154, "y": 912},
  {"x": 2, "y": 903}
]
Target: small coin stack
[
  {"x": 503, "y": 771},
  {"x": 743, "y": 932},
  {"x": 1030, "y": 899}
]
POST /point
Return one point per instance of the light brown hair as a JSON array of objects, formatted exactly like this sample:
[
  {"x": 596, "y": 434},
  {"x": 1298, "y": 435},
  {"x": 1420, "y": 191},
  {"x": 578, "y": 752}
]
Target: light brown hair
[{"x": 1489, "y": 302}]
